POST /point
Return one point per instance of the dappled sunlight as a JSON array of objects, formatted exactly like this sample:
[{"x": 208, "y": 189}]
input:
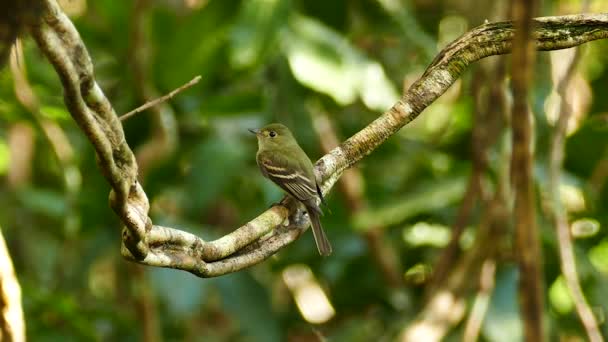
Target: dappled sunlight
[
  {"x": 572, "y": 197},
  {"x": 450, "y": 28},
  {"x": 424, "y": 233},
  {"x": 74, "y": 8},
  {"x": 578, "y": 93},
  {"x": 443, "y": 307},
  {"x": 584, "y": 228},
  {"x": 309, "y": 296}
]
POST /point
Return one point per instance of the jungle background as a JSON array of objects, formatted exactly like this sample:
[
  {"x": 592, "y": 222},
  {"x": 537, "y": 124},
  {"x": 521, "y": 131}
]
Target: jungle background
[{"x": 326, "y": 69}]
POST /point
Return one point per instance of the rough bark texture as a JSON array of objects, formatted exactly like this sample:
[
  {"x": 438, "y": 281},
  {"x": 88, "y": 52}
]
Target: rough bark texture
[{"x": 154, "y": 245}]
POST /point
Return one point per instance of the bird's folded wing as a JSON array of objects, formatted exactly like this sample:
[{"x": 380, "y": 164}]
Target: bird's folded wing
[{"x": 289, "y": 178}]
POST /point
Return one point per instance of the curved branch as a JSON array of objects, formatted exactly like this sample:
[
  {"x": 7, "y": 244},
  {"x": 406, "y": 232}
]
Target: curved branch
[
  {"x": 60, "y": 42},
  {"x": 160, "y": 246}
]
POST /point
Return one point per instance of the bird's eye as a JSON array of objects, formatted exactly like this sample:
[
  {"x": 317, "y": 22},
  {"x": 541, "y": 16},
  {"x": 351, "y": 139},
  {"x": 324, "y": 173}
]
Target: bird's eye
[{"x": 272, "y": 134}]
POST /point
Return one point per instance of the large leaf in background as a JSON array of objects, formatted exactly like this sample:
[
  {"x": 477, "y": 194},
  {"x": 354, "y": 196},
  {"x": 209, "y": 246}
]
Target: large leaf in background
[
  {"x": 322, "y": 59},
  {"x": 182, "y": 292},
  {"x": 44, "y": 201},
  {"x": 559, "y": 296},
  {"x": 193, "y": 44},
  {"x": 231, "y": 101},
  {"x": 502, "y": 322},
  {"x": 598, "y": 255},
  {"x": 430, "y": 196},
  {"x": 256, "y": 29},
  {"x": 215, "y": 163},
  {"x": 247, "y": 300},
  {"x": 413, "y": 33}
]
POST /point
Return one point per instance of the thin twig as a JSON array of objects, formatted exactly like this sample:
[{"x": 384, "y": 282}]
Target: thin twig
[
  {"x": 559, "y": 215},
  {"x": 160, "y": 99}
]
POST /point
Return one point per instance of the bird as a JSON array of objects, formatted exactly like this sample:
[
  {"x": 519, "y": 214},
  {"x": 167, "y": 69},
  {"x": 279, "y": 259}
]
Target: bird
[{"x": 283, "y": 161}]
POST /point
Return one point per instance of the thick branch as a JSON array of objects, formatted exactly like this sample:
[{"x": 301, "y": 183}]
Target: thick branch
[
  {"x": 59, "y": 41},
  {"x": 159, "y": 246}
]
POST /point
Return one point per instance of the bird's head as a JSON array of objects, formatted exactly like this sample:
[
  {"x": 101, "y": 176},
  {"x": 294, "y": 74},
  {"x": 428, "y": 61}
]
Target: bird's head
[{"x": 273, "y": 135}]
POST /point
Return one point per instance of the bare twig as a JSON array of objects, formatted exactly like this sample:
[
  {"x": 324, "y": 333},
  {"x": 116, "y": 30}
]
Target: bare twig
[
  {"x": 164, "y": 98},
  {"x": 527, "y": 245},
  {"x": 557, "y": 212},
  {"x": 154, "y": 245}
]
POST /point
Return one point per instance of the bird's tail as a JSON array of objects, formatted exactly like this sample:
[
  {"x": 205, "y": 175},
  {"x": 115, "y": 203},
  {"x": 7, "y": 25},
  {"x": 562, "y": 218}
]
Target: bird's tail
[{"x": 321, "y": 240}]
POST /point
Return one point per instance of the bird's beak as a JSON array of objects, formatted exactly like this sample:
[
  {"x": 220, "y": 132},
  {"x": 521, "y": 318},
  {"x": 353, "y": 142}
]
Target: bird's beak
[{"x": 254, "y": 131}]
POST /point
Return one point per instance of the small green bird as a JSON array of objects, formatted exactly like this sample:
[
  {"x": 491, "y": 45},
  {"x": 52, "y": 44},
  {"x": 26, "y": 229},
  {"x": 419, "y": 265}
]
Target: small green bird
[{"x": 283, "y": 161}]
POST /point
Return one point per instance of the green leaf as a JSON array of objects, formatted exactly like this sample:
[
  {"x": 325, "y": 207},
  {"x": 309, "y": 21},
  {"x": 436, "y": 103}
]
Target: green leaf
[
  {"x": 195, "y": 43},
  {"x": 599, "y": 256},
  {"x": 215, "y": 163},
  {"x": 186, "y": 301},
  {"x": 249, "y": 302},
  {"x": 559, "y": 296},
  {"x": 256, "y": 30},
  {"x": 423, "y": 233},
  {"x": 429, "y": 197},
  {"x": 44, "y": 201},
  {"x": 4, "y": 157},
  {"x": 55, "y": 113},
  {"x": 237, "y": 102},
  {"x": 322, "y": 59}
]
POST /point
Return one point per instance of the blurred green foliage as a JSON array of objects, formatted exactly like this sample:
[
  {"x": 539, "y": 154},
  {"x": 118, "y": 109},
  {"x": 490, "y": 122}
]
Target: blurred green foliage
[{"x": 263, "y": 61}]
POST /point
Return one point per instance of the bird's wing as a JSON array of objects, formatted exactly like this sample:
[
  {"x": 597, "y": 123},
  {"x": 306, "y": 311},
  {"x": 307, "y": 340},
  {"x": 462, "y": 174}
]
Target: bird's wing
[{"x": 289, "y": 177}]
